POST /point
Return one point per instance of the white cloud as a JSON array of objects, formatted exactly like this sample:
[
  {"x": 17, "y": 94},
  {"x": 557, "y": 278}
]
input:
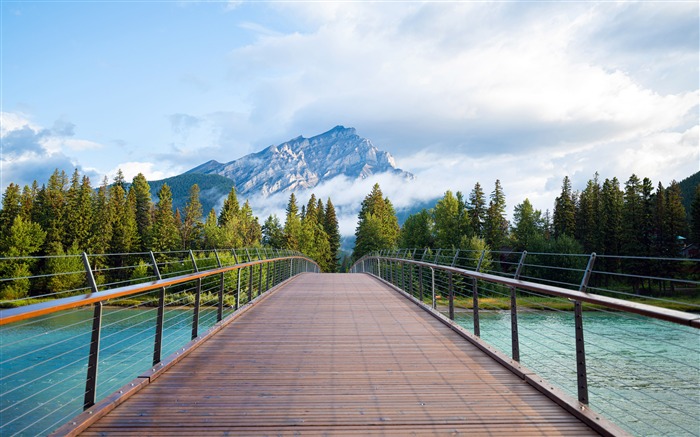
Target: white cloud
[{"x": 150, "y": 170}]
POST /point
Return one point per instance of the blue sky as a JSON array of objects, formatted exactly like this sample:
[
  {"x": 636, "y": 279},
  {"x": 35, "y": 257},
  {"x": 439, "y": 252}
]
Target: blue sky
[{"x": 458, "y": 92}]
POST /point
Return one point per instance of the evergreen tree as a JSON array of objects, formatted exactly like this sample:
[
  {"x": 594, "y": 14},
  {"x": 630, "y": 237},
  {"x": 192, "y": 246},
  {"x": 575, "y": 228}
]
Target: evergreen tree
[
  {"x": 451, "y": 220},
  {"x": 78, "y": 213},
  {"x": 191, "y": 226},
  {"x": 320, "y": 213},
  {"x": 526, "y": 225},
  {"x": 28, "y": 201},
  {"x": 477, "y": 210},
  {"x": 251, "y": 231},
  {"x": 565, "y": 211},
  {"x": 661, "y": 234},
  {"x": 632, "y": 217},
  {"x": 377, "y": 227},
  {"x": 311, "y": 214},
  {"x": 695, "y": 217},
  {"x": 51, "y": 208},
  {"x": 676, "y": 224},
  {"x": 588, "y": 216},
  {"x": 417, "y": 231},
  {"x": 273, "y": 233},
  {"x": 496, "y": 225},
  {"x": 211, "y": 232},
  {"x": 292, "y": 225},
  {"x": 102, "y": 220},
  {"x": 230, "y": 209},
  {"x": 144, "y": 209},
  {"x": 332, "y": 230},
  {"x": 611, "y": 217},
  {"x": 123, "y": 206},
  {"x": 23, "y": 239},
  {"x": 11, "y": 208},
  {"x": 165, "y": 229}
]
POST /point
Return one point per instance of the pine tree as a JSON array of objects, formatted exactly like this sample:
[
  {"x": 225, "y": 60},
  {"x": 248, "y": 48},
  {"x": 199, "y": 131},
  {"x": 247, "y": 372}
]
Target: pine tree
[
  {"x": 28, "y": 201},
  {"x": 676, "y": 224},
  {"x": 446, "y": 216},
  {"x": 632, "y": 217},
  {"x": 417, "y": 231},
  {"x": 230, "y": 209},
  {"x": 102, "y": 221},
  {"x": 588, "y": 216},
  {"x": 191, "y": 226},
  {"x": 292, "y": 225},
  {"x": 211, "y": 232},
  {"x": 526, "y": 225},
  {"x": 377, "y": 227},
  {"x": 165, "y": 229},
  {"x": 332, "y": 230},
  {"x": 311, "y": 215},
  {"x": 78, "y": 213},
  {"x": 251, "y": 231},
  {"x": 123, "y": 206},
  {"x": 11, "y": 208},
  {"x": 477, "y": 210},
  {"x": 611, "y": 217},
  {"x": 496, "y": 225},
  {"x": 565, "y": 211},
  {"x": 51, "y": 208},
  {"x": 273, "y": 234},
  {"x": 144, "y": 209},
  {"x": 23, "y": 239},
  {"x": 695, "y": 217}
]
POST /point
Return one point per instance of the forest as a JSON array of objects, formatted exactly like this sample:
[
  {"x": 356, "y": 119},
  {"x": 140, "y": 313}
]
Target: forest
[{"x": 67, "y": 216}]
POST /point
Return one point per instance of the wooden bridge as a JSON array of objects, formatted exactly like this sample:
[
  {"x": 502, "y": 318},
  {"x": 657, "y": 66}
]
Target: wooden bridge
[{"x": 334, "y": 354}]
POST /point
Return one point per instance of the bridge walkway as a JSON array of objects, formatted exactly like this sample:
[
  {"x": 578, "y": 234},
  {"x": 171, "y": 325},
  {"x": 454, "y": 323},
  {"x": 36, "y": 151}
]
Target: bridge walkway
[{"x": 339, "y": 354}]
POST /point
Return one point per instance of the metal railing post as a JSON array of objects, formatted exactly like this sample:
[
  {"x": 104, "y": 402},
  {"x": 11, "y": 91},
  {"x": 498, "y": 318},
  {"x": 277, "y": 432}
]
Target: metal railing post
[
  {"x": 220, "y": 307},
  {"x": 451, "y": 297},
  {"x": 420, "y": 283},
  {"x": 267, "y": 276},
  {"x": 475, "y": 297},
  {"x": 432, "y": 273},
  {"x": 581, "y": 373},
  {"x": 238, "y": 288},
  {"x": 410, "y": 279},
  {"x": 515, "y": 339},
  {"x": 158, "y": 342},
  {"x": 93, "y": 357},
  {"x": 197, "y": 299},
  {"x": 454, "y": 260},
  {"x": 250, "y": 283}
]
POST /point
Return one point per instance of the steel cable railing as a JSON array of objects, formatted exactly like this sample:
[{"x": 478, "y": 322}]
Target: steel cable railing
[
  {"x": 550, "y": 312},
  {"x": 138, "y": 308}
]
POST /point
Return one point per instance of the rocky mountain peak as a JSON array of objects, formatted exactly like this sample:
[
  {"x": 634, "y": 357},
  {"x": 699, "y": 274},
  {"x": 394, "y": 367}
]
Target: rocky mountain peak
[{"x": 305, "y": 162}]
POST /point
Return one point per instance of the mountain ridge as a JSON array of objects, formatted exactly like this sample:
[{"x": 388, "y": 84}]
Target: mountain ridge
[{"x": 303, "y": 163}]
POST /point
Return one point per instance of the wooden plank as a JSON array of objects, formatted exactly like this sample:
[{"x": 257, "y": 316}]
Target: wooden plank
[{"x": 343, "y": 355}]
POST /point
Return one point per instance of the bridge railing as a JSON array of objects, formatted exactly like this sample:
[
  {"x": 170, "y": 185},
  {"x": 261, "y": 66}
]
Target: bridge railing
[
  {"x": 118, "y": 318},
  {"x": 575, "y": 322}
]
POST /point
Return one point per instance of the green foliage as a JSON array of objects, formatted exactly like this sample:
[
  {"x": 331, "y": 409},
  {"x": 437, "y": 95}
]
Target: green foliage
[
  {"x": 65, "y": 269},
  {"x": 565, "y": 211},
  {"x": 191, "y": 226},
  {"x": 214, "y": 188},
  {"x": 144, "y": 210},
  {"x": 695, "y": 217},
  {"x": 273, "y": 234},
  {"x": 417, "y": 231},
  {"x": 377, "y": 227},
  {"x": 495, "y": 224},
  {"x": 527, "y": 225},
  {"x": 330, "y": 225},
  {"x": 166, "y": 236}
]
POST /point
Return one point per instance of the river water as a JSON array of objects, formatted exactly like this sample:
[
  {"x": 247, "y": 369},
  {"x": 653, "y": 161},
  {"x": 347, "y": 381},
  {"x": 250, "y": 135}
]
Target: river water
[{"x": 644, "y": 375}]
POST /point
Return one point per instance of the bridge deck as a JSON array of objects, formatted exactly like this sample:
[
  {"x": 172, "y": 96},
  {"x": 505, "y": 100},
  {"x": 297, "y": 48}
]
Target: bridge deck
[{"x": 338, "y": 354}]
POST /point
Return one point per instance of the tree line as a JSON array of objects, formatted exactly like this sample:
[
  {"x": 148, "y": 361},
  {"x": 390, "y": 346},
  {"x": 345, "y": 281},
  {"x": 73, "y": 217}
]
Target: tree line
[
  {"x": 67, "y": 216},
  {"x": 607, "y": 218}
]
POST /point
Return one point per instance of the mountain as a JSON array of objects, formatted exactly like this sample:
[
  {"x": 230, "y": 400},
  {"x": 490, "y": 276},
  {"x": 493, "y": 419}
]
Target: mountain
[{"x": 304, "y": 163}]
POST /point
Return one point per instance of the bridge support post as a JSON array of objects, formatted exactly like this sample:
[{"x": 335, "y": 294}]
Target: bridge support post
[
  {"x": 432, "y": 274},
  {"x": 197, "y": 300},
  {"x": 420, "y": 283},
  {"x": 93, "y": 358},
  {"x": 515, "y": 339},
  {"x": 158, "y": 342},
  {"x": 451, "y": 296},
  {"x": 581, "y": 372},
  {"x": 475, "y": 297},
  {"x": 250, "y": 283},
  {"x": 238, "y": 289},
  {"x": 220, "y": 307}
]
